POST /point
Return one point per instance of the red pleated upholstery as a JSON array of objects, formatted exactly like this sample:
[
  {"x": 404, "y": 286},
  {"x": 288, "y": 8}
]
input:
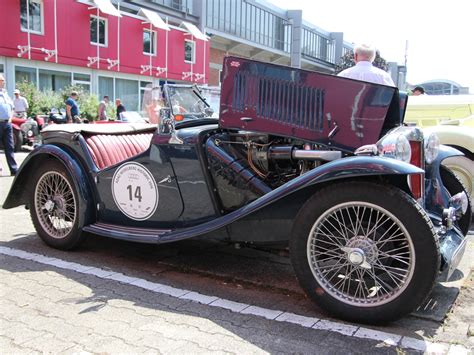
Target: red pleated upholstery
[{"x": 110, "y": 149}]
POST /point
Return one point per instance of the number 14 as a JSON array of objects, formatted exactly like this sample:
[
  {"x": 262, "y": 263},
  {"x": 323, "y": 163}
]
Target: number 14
[{"x": 137, "y": 194}]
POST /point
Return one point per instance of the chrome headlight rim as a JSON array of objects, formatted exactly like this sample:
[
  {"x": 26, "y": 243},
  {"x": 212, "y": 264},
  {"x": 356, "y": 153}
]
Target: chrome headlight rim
[
  {"x": 395, "y": 146},
  {"x": 431, "y": 146},
  {"x": 403, "y": 149}
]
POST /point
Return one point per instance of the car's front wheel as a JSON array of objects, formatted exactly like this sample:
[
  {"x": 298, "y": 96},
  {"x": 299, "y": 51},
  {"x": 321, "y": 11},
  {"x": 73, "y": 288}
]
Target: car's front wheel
[
  {"x": 54, "y": 206},
  {"x": 364, "y": 252}
]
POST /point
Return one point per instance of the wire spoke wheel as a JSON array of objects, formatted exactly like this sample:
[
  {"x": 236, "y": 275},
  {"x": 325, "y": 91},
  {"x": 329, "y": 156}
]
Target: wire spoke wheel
[
  {"x": 55, "y": 204},
  {"x": 361, "y": 254},
  {"x": 364, "y": 252}
]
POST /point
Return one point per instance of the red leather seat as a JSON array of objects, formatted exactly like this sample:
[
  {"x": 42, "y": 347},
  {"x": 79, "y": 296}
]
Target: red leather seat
[{"x": 110, "y": 149}]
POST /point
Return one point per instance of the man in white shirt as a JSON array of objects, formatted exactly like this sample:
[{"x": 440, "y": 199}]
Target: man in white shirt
[
  {"x": 20, "y": 105},
  {"x": 364, "y": 55}
]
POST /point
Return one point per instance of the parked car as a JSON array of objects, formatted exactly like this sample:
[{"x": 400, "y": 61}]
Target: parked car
[
  {"x": 451, "y": 118},
  {"x": 25, "y": 132},
  {"x": 317, "y": 163}
]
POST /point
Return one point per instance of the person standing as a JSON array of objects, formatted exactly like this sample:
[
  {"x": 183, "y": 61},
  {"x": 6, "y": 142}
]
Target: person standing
[
  {"x": 364, "y": 70},
  {"x": 120, "y": 108},
  {"x": 6, "y": 130},
  {"x": 72, "y": 109},
  {"x": 20, "y": 104},
  {"x": 103, "y": 108}
]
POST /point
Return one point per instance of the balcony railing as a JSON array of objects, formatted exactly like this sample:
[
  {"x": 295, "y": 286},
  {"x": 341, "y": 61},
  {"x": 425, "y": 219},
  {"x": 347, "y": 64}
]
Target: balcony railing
[
  {"x": 318, "y": 46},
  {"x": 250, "y": 22}
]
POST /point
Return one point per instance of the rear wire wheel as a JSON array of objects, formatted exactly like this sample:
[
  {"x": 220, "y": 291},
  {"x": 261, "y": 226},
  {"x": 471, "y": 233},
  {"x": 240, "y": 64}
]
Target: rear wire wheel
[
  {"x": 54, "y": 207},
  {"x": 364, "y": 252}
]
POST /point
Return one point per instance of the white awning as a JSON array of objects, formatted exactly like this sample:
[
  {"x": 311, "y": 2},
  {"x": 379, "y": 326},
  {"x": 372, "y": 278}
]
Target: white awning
[
  {"x": 154, "y": 18},
  {"x": 107, "y": 8},
  {"x": 194, "y": 30}
]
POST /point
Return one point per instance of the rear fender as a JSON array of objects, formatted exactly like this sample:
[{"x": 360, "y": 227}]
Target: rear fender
[
  {"x": 19, "y": 192},
  {"x": 346, "y": 168}
]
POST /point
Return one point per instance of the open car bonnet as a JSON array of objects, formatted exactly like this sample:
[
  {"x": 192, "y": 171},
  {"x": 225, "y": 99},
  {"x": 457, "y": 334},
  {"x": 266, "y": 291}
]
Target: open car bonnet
[{"x": 301, "y": 104}]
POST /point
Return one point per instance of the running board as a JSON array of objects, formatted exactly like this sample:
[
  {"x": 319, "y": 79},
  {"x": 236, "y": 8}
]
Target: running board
[{"x": 132, "y": 234}]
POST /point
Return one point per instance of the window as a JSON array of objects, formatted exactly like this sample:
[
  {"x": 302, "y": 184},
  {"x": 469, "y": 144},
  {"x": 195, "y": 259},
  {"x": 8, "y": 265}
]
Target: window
[
  {"x": 106, "y": 87},
  {"x": 127, "y": 91},
  {"x": 82, "y": 80},
  {"x": 144, "y": 87},
  {"x": 25, "y": 74},
  {"x": 149, "y": 42},
  {"x": 51, "y": 80},
  {"x": 98, "y": 31},
  {"x": 31, "y": 16},
  {"x": 189, "y": 51}
]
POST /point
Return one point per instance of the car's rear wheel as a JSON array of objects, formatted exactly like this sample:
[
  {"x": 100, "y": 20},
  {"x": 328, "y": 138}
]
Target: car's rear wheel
[
  {"x": 364, "y": 252},
  {"x": 454, "y": 185},
  {"x": 54, "y": 206}
]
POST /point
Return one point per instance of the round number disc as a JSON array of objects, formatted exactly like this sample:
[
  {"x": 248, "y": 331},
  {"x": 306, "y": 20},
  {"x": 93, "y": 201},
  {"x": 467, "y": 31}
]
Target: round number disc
[{"x": 135, "y": 191}]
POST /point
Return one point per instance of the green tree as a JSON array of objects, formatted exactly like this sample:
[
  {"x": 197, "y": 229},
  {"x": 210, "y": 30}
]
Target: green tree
[
  {"x": 40, "y": 102},
  {"x": 347, "y": 61}
]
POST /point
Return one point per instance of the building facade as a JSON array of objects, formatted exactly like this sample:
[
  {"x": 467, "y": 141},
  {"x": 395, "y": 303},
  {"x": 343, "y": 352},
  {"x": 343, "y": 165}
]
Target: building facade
[
  {"x": 258, "y": 30},
  {"x": 109, "y": 49},
  {"x": 118, "y": 47}
]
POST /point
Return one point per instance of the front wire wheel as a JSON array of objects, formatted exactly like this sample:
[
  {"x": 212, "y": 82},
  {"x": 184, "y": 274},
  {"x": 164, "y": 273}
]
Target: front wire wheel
[
  {"x": 54, "y": 207},
  {"x": 361, "y": 254},
  {"x": 364, "y": 252}
]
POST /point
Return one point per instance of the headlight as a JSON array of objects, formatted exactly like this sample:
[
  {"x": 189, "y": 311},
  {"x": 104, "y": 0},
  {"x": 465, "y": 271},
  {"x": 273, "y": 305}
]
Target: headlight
[
  {"x": 403, "y": 149},
  {"x": 396, "y": 146},
  {"x": 431, "y": 148}
]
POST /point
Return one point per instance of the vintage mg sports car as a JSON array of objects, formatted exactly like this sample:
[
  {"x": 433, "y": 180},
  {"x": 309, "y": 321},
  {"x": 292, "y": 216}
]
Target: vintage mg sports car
[{"x": 320, "y": 164}]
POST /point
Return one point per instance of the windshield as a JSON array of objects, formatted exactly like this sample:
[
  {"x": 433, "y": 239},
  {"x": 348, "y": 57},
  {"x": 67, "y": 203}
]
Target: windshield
[{"x": 187, "y": 100}]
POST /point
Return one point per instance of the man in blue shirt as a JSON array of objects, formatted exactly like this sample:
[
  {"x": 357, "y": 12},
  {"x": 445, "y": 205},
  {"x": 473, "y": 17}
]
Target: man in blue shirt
[
  {"x": 72, "y": 109},
  {"x": 6, "y": 130}
]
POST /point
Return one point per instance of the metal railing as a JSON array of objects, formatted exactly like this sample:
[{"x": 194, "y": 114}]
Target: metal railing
[
  {"x": 318, "y": 46},
  {"x": 250, "y": 22}
]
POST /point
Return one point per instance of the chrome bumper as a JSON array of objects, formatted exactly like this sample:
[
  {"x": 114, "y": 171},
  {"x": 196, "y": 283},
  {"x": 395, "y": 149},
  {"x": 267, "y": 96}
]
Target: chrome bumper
[{"x": 452, "y": 248}]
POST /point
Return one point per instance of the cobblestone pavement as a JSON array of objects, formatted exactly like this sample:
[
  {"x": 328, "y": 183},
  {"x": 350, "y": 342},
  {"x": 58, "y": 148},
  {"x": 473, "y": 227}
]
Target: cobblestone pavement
[{"x": 54, "y": 309}]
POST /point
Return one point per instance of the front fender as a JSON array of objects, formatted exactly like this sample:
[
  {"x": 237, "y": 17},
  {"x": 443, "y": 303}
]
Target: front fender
[
  {"x": 18, "y": 194},
  {"x": 437, "y": 197},
  {"x": 335, "y": 170}
]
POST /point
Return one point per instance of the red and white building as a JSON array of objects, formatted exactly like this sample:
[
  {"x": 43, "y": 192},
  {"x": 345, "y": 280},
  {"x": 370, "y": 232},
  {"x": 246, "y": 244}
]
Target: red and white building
[{"x": 107, "y": 49}]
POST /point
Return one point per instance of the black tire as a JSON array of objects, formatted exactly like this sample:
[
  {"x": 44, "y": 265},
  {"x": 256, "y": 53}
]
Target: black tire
[
  {"x": 385, "y": 271},
  {"x": 17, "y": 140},
  {"x": 454, "y": 185},
  {"x": 54, "y": 206}
]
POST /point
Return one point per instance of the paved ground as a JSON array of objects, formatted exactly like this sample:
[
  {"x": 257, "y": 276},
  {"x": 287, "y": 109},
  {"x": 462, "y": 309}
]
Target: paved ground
[{"x": 118, "y": 297}]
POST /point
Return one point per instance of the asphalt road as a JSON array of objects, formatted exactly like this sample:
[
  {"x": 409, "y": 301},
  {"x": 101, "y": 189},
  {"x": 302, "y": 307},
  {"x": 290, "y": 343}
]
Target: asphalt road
[{"x": 195, "y": 296}]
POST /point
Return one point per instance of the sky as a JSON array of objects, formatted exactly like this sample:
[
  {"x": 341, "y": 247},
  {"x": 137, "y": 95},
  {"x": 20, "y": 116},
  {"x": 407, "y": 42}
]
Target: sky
[{"x": 440, "y": 34}]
